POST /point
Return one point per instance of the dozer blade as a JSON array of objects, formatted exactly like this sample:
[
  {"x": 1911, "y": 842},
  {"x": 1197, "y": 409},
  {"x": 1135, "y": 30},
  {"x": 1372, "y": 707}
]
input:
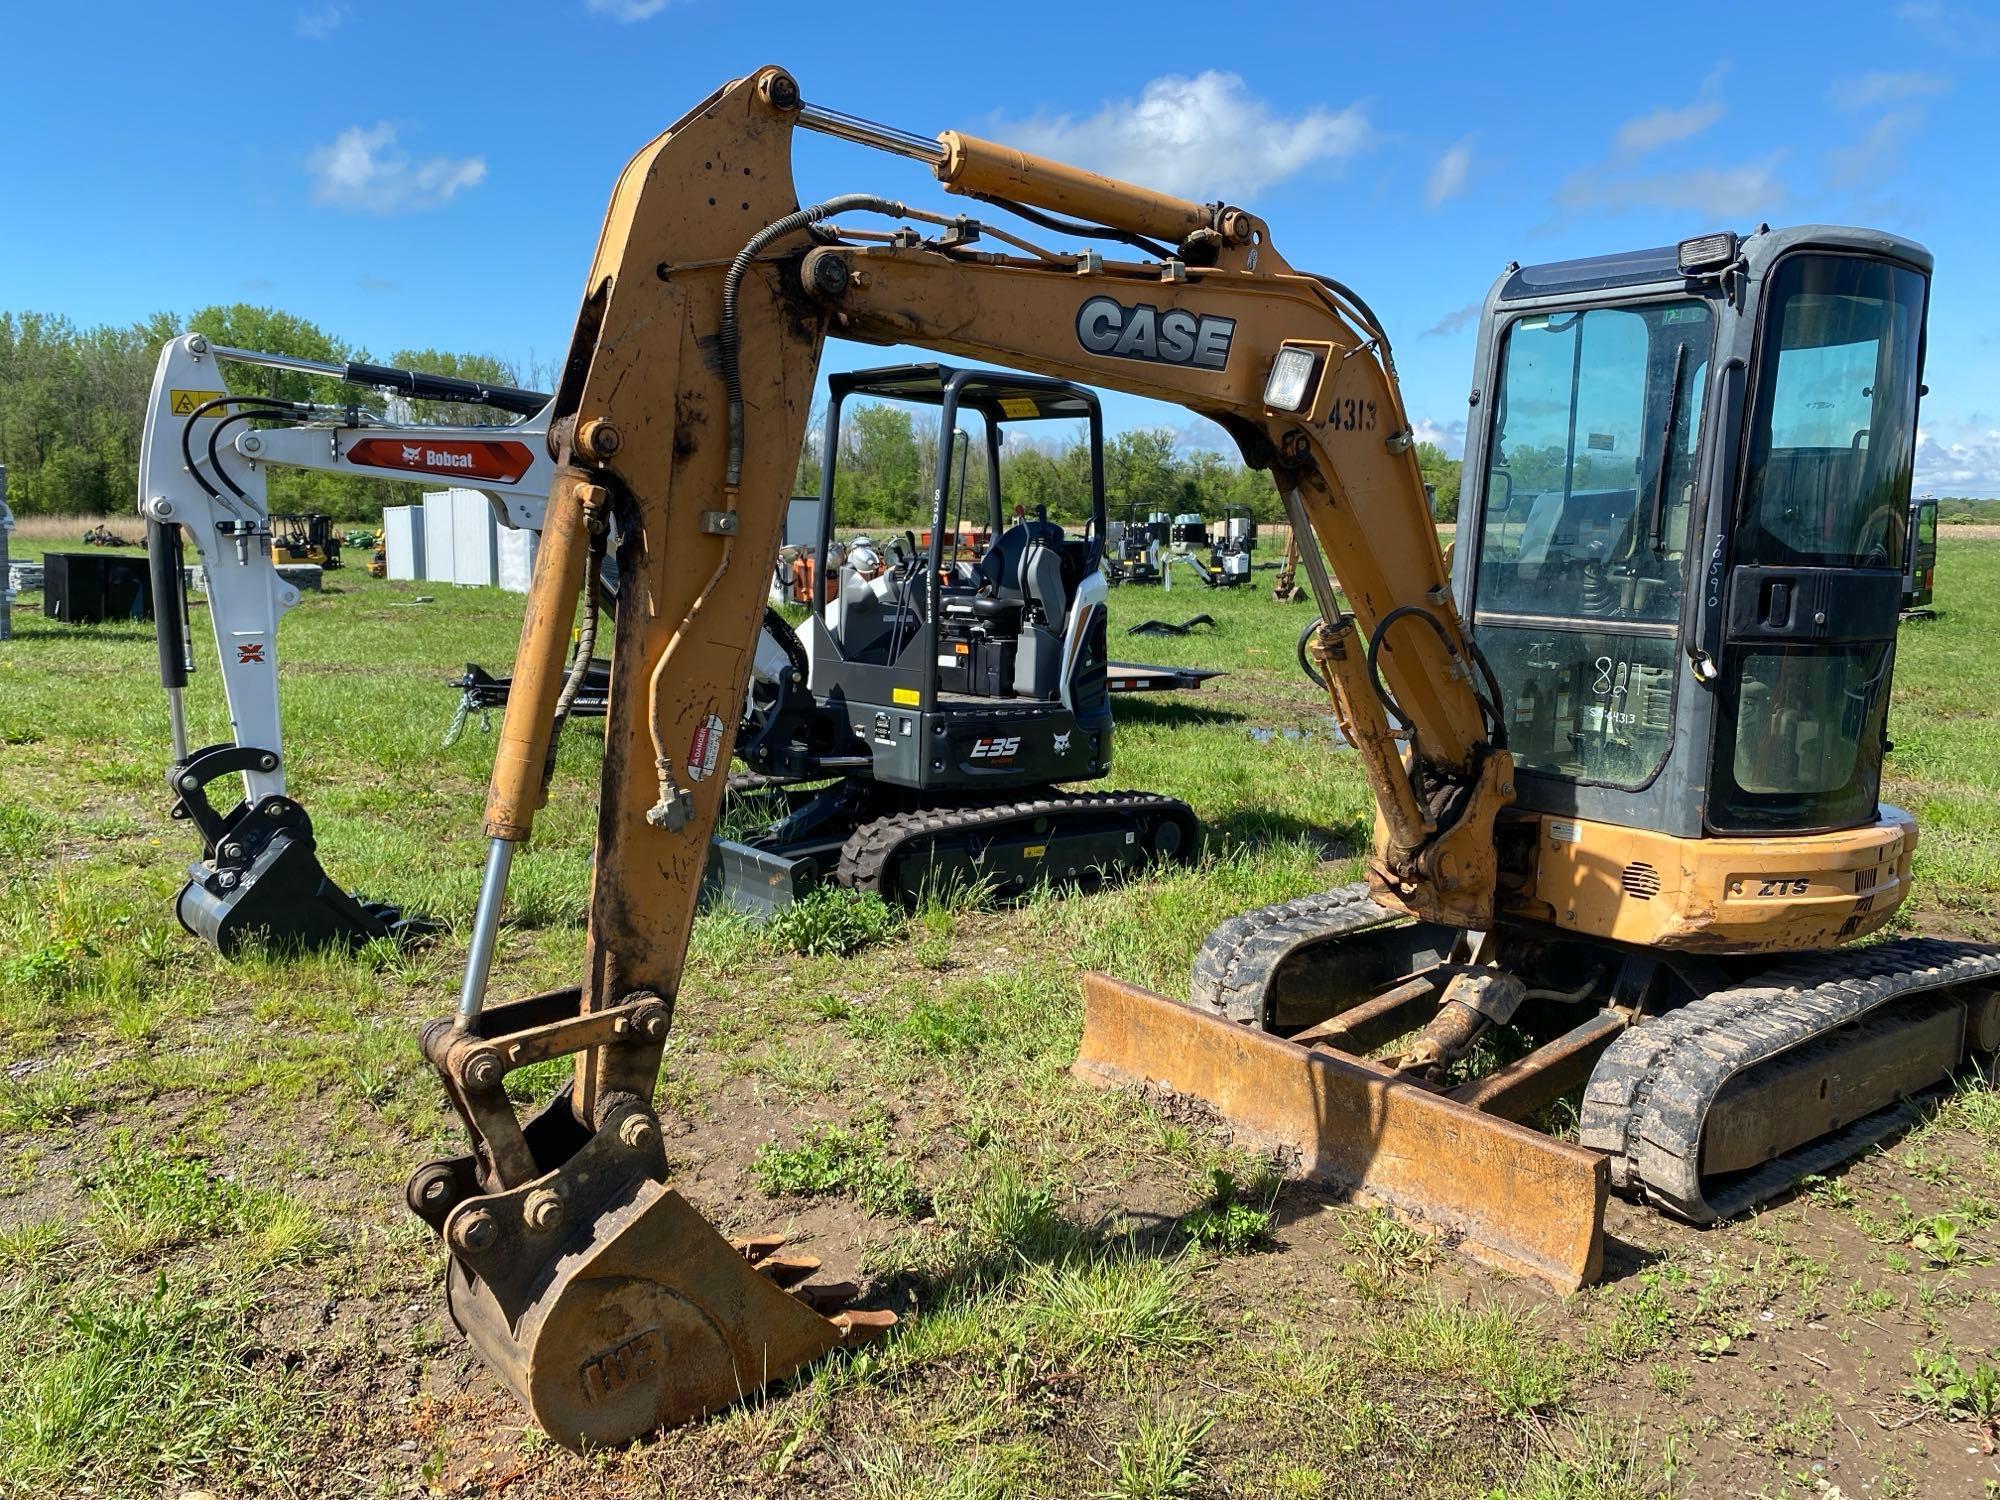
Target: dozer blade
[
  {"x": 1509, "y": 1196},
  {"x": 648, "y": 1320}
]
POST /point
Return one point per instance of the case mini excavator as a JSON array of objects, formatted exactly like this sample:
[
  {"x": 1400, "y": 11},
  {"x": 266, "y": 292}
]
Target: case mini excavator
[{"x": 1632, "y": 814}]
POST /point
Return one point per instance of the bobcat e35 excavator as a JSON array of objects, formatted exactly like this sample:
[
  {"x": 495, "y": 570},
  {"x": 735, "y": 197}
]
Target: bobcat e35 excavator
[{"x": 1635, "y": 814}]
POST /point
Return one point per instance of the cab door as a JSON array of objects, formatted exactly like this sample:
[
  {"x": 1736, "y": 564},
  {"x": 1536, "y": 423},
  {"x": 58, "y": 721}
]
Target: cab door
[{"x": 1813, "y": 588}]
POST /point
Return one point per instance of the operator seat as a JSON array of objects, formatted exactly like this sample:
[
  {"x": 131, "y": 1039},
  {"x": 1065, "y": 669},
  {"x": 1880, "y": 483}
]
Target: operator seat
[{"x": 1026, "y": 581}]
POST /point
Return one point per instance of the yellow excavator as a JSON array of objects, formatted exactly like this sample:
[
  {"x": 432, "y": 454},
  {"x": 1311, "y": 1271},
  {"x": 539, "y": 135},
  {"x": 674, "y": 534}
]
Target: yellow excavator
[{"x": 1626, "y": 763}]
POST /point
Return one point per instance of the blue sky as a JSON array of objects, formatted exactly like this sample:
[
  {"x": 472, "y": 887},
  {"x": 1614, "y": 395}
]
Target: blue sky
[{"x": 409, "y": 177}]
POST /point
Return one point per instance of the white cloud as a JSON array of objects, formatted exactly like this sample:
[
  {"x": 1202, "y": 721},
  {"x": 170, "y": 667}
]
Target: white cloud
[
  {"x": 362, "y": 169},
  {"x": 1448, "y": 176},
  {"x": 1959, "y": 458},
  {"x": 1873, "y": 89},
  {"x": 1956, "y": 27},
  {"x": 1669, "y": 125},
  {"x": 1203, "y": 137},
  {"x": 1872, "y": 160},
  {"x": 1453, "y": 321},
  {"x": 626, "y": 10},
  {"x": 318, "y": 25},
  {"x": 1748, "y": 190},
  {"x": 1449, "y": 436}
]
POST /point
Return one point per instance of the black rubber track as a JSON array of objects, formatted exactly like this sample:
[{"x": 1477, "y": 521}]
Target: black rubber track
[
  {"x": 1650, "y": 1093},
  {"x": 1233, "y": 971},
  {"x": 870, "y": 858}
]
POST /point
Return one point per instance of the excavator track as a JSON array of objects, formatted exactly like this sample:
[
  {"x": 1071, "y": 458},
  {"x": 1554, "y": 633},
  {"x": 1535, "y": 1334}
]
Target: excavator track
[
  {"x": 1236, "y": 969},
  {"x": 1650, "y": 1096},
  {"x": 1034, "y": 836}
]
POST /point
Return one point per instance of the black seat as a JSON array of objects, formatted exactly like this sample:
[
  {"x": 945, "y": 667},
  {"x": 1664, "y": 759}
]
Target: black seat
[{"x": 1000, "y": 568}]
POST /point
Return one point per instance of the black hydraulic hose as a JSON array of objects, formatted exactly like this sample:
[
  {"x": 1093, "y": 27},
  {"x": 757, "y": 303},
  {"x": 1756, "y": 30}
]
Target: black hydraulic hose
[
  {"x": 1352, "y": 297},
  {"x": 215, "y": 460},
  {"x": 267, "y": 403},
  {"x": 1071, "y": 226},
  {"x": 586, "y": 647},
  {"x": 732, "y": 282},
  {"x": 1488, "y": 706},
  {"x": 1305, "y": 664}
]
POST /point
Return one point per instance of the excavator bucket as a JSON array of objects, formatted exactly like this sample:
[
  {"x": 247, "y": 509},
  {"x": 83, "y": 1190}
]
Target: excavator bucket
[
  {"x": 648, "y": 1318},
  {"x": 596, "y": 1293},
  {"x": 1507, "y": 1195}
]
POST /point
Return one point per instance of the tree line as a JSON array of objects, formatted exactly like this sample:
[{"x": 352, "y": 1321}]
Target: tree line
[
  {"x": 72, "y": 404},
  {"x": 886, "y": 465}
]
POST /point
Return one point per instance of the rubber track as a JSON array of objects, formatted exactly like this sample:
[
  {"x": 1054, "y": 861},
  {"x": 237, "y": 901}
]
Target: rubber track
[
  {"x": 870, "y": 849},
  {"x": 1651, "y": 1092},
  {"x": 1234, "y": 970}
]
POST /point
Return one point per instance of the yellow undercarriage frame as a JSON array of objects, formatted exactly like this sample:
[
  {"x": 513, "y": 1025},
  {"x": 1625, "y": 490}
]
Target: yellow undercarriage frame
[{"x": 1785, "y": 894}]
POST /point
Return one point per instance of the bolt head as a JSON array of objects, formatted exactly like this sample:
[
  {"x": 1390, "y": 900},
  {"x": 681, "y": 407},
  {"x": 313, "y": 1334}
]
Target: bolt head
[
  {"x": 475, "y": 1231},
  {"x": 483, "y": 1070},
  {"x": 639, "y": 1133},
  {"x": 542, "y": 1209},
  {"x": 653, "y": 1025}
]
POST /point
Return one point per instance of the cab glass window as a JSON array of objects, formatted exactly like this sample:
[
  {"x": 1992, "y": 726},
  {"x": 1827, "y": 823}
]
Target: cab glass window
[
  {"x": 1596, "y": 427},
  {"x": 1827, "y": 482}
]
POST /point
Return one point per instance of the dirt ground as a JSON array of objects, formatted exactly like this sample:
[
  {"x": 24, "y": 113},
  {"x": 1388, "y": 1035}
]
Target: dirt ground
[{"x": 208, "y": 1282}]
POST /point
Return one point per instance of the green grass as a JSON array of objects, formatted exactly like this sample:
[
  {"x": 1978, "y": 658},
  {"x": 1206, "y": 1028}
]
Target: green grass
[
  {"x": 207, "y": 1279},
  {"x": 854, "y": 1164}
]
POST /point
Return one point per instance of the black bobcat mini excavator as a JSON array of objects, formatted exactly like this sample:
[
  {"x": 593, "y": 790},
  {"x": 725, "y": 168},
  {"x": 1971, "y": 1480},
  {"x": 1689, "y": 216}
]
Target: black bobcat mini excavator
[{"x": 1632, "y": 815}]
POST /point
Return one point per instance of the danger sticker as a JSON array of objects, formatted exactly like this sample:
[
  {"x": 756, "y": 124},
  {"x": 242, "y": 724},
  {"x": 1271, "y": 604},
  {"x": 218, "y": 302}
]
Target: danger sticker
[
  {"x": 704, "y": 749},
  {"x": 183, "y": 403}
]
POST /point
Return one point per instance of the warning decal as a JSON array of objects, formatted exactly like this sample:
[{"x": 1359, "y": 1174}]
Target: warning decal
[
  {"x": 704, "y": 749},
  {"x": 182, "y": 403},
  {"x": 1019, "y": 406}
]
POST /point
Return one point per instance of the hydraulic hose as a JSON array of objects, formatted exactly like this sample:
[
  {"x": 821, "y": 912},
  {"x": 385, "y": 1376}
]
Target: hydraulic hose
[{"x": 732, "y": 282}]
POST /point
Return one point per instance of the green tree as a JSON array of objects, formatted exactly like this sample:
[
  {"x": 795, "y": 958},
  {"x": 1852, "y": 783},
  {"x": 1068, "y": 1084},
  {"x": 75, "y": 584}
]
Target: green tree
[{"x": 1442, "y": 474}]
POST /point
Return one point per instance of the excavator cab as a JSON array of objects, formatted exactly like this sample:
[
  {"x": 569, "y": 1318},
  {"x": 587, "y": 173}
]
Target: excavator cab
[
  {"x": 1140, "y": 544},
  {"x": 1000, "y": 655},
  {"x": 1683, "y": 558}
]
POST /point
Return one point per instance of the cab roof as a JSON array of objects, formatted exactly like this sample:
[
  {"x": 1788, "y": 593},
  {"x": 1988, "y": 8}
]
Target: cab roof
[{"x": 998, "y": 395}]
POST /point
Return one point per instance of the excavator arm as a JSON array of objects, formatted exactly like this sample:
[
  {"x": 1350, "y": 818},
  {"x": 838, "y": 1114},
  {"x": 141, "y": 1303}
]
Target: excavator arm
[{"x": 592, "y": 1288}]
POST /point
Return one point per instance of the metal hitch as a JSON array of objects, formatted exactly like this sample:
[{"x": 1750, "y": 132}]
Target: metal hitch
[
  {"x": 600, "y": 1297},
  {"x": 1507, "y": 1195}
]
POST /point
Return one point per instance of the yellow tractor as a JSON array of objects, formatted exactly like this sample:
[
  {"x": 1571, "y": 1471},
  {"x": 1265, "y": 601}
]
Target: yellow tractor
[{"x": 304, "y": 539}]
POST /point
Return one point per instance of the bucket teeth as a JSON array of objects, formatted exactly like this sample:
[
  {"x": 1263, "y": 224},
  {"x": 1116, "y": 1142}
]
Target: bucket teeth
[
  {"x": 788, "y": 1270},
  {"x": 862, "y": 1325}
]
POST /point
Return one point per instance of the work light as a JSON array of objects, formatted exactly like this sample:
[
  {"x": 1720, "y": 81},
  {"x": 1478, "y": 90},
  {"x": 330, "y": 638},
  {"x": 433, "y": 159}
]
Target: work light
[
  {"x": 1708, "y": 252},
  {"x": 1291, "y": 381}
]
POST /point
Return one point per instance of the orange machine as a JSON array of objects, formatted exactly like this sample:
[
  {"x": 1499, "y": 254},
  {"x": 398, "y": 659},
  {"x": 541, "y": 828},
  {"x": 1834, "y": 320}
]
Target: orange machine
[{"x": 1626, "y": 762}]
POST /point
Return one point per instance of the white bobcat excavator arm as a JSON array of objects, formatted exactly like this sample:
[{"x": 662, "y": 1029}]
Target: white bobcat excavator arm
[{"x": 202, "y": 477}]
